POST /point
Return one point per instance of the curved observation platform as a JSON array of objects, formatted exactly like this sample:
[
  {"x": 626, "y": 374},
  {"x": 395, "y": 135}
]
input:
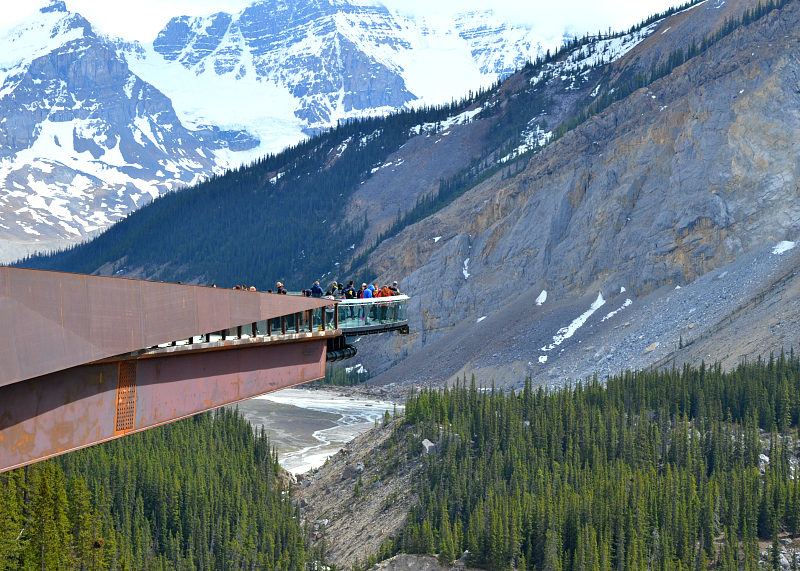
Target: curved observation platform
[{"x": 370, "y": 316}]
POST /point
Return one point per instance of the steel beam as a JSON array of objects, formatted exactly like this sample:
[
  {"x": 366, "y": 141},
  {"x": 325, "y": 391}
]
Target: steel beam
[
  {"x": 53, "y": 321},
  {"x": 88, "y": 404}
]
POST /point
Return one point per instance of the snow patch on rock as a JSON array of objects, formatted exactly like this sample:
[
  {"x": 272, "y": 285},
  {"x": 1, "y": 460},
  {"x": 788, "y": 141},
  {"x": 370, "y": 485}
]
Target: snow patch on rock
[
  {"x": 782, "y": 247},
  {"x": 566, "y": 332},
  {"x": 627, "y": 303}
]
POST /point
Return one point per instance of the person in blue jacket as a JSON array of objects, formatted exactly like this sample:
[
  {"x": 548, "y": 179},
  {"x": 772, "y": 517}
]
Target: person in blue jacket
[
  {"x": 367, "y": 309},
  {"x": 316, "y": 290}
]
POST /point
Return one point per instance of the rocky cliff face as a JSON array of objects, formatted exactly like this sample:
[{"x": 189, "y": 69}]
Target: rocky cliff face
[
  {"x": 675, "y": 181},
  {"x": 297, "y": 45}
]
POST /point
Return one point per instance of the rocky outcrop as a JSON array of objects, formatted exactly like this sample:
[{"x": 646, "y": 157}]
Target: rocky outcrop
[{"x": 350, "y": 518}]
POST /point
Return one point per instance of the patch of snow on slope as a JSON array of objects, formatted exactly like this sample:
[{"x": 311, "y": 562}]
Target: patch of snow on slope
[
  {"x": 542, "y": 298},
  {"x": 466, "y": 268},
  {"x": 480, "y": 319},
  {"x": 606, "y": 50},
  {"x": 460, "y": 119},
  {"x": 566, "y": 332},
  {"x": 627, "y": 303},
  {"x": 532, "y": 138},
  {"x": 782, "y": 247}
]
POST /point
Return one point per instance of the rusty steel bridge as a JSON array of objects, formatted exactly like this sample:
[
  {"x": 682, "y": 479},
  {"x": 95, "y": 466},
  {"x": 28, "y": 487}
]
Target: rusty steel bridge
[{"x": 86, "y": 359}]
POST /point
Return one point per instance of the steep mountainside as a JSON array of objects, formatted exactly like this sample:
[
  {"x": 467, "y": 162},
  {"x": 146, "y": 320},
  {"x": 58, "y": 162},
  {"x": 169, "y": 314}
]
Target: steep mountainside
[
  {"x": 681, "y": 178},
  {"x": 344, "y": 184},
  {"x": 92, "y": 127}
]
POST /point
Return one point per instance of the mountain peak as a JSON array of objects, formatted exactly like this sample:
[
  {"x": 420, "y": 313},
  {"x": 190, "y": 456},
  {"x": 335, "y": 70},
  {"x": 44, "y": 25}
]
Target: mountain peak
[{"x": 54, "y": 6}]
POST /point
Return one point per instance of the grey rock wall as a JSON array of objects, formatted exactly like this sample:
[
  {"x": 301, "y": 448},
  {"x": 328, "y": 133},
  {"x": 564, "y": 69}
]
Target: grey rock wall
[{"x": 672, "y": 182}]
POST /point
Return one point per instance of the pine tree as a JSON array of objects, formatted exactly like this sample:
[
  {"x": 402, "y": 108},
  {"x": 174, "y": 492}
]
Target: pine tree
[
  {"x": 48, "y": 545},
  {"x": 11, "y": 520}
]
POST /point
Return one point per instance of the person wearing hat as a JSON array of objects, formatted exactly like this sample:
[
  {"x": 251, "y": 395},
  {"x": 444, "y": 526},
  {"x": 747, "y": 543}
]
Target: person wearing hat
[
  {"x": 349, "y": 292},
  {"x": 394, "y": 288}
]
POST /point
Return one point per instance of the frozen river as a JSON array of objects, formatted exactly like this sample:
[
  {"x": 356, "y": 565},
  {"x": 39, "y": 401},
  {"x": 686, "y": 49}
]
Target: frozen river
[{"x": 307, "y": 426}]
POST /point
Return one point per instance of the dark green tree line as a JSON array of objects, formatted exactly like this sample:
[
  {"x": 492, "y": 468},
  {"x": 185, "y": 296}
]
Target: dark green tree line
[
  {"x": 202, "y": 493},
  {"x": 656, "y": 470}
]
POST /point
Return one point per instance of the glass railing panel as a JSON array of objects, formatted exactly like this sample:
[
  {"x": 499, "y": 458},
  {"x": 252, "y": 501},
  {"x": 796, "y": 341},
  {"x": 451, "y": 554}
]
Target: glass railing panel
[
  {"x": 291, "y": 323},
  {"x": 360, "y": 313},
  {"x": 329, "y": 316},
  {"x": 275, "y": 326},
  {"x": 348, "y": 315},
  {"x": 402, "y": 310},
  {"x": 316, "y": 318}
]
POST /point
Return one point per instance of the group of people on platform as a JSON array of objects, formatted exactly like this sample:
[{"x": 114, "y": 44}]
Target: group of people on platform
[
  {"x": 336, "y": 290},
  {"x": 340, "y": 291}
]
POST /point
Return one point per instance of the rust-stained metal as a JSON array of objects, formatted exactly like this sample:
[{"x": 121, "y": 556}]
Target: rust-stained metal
[
  {"x": 82, "y": 361},
  {"x": 126, "y": 397},
  {"x": 54, "y": 321},
  {"x": 79, "y": 407}
]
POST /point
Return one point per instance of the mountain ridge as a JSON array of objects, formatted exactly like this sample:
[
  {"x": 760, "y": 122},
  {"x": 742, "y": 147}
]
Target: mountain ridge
[
  {"x": 208, "y": 77},
  {"x": 83, "y": 140},
  {"x": 628, "y": 200}
]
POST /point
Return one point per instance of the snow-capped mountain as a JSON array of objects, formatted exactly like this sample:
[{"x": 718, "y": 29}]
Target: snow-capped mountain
[
  {"x": 83, "y": 140},
  {"x": 92, "y": 127},
  {"x": 285, "y": 68}
]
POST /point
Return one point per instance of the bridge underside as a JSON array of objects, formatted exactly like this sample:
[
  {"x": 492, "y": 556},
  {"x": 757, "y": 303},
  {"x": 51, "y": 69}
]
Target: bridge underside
[{"x": 89, "y": 404}]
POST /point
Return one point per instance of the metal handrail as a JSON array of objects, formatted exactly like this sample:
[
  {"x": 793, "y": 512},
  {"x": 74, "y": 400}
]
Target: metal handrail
[
  {"x": 328, "y": 317},
  {"x": 400, "y": 297}
]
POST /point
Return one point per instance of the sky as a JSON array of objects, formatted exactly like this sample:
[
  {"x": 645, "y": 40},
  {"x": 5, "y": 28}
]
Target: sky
[{"x": 143, "y": 23}]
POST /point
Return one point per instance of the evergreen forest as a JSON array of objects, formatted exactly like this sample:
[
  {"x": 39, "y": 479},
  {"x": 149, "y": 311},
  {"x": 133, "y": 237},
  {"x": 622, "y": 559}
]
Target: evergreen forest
[
  {"x": 202, "y": 493},
  {"x": 654, "y": 470}
]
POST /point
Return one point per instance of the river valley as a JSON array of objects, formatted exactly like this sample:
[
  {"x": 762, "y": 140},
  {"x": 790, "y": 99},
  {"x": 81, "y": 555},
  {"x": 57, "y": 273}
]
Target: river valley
[{"x": 308, "y": 425}]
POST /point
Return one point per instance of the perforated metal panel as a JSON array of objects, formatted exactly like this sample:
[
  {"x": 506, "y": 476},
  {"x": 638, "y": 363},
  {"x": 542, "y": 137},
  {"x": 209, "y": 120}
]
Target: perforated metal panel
[{"x": 126, "y": 396}]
